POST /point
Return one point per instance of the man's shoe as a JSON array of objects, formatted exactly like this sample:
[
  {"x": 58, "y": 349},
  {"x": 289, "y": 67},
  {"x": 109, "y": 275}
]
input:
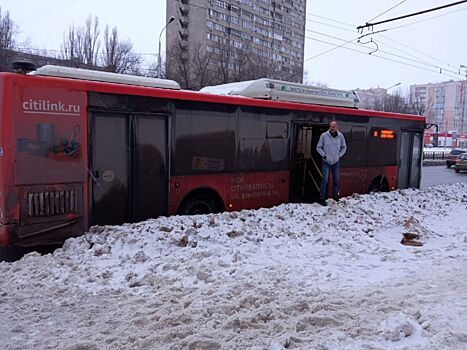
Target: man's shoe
[
  {"x": 336, "y": 199},
  {"x": 322, "y": 202}
]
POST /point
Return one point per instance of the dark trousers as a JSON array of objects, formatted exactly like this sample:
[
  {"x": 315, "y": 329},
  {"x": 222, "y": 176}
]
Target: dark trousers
[{"x": 334, "y": 168}]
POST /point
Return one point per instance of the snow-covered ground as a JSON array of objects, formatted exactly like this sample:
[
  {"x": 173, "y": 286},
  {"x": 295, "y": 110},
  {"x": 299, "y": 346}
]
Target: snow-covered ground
[{"x": 290, "y": 277}]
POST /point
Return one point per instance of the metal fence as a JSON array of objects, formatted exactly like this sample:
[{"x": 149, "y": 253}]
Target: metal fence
[{"x": 435, "y": 155}]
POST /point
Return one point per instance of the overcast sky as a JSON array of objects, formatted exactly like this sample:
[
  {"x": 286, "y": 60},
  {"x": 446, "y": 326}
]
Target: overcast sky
[{"x": 431, "y": 42}]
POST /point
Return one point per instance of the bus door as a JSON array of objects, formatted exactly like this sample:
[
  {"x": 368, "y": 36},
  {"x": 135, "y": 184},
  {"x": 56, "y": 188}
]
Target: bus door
[
  {"x": 409, "y": 172},
  {"x": 129, "y": 173},
  {"x": 306, "y": 168}
]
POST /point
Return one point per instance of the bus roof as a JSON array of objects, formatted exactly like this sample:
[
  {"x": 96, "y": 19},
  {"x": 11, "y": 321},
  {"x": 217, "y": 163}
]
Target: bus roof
[
  {"x": 87, "y": 74},
  {"x": 278, "y": 90},
  {"x": 121, "y": 88}
]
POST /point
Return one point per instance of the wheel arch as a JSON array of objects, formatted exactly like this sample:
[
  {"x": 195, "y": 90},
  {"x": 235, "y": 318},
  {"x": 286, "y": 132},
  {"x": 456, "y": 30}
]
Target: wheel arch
[{"x": 379, "y": 184}]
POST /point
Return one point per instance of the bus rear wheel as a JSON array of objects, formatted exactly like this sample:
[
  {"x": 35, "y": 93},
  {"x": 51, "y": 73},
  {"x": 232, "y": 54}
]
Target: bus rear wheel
[{"x": 199, "y": 204}]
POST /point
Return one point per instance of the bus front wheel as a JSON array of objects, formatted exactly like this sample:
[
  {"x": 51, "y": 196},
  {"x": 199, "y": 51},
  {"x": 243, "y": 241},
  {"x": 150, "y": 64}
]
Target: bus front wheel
[{"x": 199, "y": 204}]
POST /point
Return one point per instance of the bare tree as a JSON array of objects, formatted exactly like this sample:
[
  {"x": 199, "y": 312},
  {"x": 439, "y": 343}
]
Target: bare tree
[
  {"x": 81, "y": 44},
  {"x": 82, "y": 48},
  {"x": 150, "y": 69},
  {"x": 203, "y": 75},
  {"x": 180, "y": 68},
  {"x": 223, "y": 58},
  {"x": 191, "y": 67},
  {"x": 237, "y": 63},
  {"x": 91, "y": 41},
  {"x": 118, "y": 56},
  {"x": 250, "y": 66},
  {"x": 416, "y": 105},
  {"x": 395, "y": 103},
  {"x": 72, "y": 47},
  {"x": 7, "y": 40}
]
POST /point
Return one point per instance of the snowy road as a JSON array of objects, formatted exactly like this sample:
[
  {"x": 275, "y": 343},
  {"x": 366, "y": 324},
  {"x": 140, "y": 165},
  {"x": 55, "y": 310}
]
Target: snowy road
[{"x": 290, "y": 277}]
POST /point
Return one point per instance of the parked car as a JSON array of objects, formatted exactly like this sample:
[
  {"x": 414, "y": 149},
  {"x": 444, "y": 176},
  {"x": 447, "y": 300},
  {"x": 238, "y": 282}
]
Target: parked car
[
  {"x": 461, "y": 163},
  {"x": 453, "y": 156}
]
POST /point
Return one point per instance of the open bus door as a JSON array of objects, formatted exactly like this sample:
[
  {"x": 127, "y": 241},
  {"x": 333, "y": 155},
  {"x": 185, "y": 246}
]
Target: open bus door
[
  {"x": 129, "y": 167},
  {"x": 306, "y": 168},
  {"x": 410, "y": 159}
]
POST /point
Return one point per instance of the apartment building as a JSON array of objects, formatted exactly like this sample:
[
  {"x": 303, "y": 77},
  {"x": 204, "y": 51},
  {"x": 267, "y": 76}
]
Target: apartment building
[
  {"x": 445, "y": 104},
  {"x": 242, "y": 39}
]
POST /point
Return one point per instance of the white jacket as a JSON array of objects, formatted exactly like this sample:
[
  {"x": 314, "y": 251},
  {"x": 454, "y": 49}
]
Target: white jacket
[{"x": 331, "y": 148}]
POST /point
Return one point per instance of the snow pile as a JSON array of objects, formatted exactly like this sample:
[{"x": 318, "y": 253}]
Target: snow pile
[
  {"x": 290, "y": 277},
  {"x": 228, "y": 89}
]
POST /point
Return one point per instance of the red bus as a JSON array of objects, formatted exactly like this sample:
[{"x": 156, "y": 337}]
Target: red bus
[{"x": 81, "y": 148}]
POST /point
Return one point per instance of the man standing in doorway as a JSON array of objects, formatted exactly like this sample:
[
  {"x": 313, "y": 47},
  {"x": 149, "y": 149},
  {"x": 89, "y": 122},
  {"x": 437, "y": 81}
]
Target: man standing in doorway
[{"x": 331, "y": 146}]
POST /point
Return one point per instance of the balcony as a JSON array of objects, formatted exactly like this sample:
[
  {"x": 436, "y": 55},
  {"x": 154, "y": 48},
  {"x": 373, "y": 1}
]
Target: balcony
[
  {"x": 183, "y": 23},
  {"x": 184, "y": 11}
]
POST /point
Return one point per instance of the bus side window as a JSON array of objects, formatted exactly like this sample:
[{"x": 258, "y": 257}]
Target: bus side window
[
  {"x": 205, "y": 138},
  {"x": 277, "y": 134},
  {"x": 358, "y": 133},
  {"x": 356, "y": 139},
  {"x": 382, "y": 145},
  {"x": 277, "y": 130},
  {"x": 263, "y": 140}
]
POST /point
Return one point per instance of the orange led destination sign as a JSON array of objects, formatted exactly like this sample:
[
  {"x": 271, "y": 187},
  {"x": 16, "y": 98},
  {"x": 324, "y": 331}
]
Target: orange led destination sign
[{"x": 384, "y": 134}]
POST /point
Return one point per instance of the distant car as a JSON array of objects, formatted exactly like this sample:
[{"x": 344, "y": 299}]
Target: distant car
[
  {"x": 453, "y": 156},
  {"x": 461, "y": 163}
]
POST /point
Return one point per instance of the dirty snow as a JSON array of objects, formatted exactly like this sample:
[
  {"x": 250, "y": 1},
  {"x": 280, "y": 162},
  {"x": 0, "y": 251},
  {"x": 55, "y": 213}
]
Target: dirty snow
[{"x": 297, "y": 276}]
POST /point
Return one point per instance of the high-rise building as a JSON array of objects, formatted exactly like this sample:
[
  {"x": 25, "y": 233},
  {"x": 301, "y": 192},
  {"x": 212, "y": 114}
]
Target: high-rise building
[
  {"x": 234, "y": 40},
  {"x": 445, "y": 104}
]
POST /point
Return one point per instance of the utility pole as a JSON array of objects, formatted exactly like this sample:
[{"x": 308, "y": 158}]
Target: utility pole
[
  {"x": 463, "y": 101},
  {"x": 386, "y": 94}
]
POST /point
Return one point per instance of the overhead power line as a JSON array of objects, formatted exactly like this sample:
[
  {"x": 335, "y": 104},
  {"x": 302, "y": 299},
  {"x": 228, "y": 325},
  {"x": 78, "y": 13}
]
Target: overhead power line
[
  {"x": 434, "y": 17},
  {"x": 381, "y": 57},
  {"x": 420, "y": 52},
  {"x": 410, "y": 47},
  {"x": 414, "y": 59},
  {"x": 334, "y": 48},
  {"x": 330, "y": 19},
  {"x": 392, "y": 8},
  {"x": 332, "y": 25},
  {"x": 366, "y": 25}
]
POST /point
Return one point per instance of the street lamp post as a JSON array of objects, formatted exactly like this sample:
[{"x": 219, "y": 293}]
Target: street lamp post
[
  {"x": 386, "y": 93},
  {"x": 159, "y": 55},
  {"x": 397, "y": 84}
]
